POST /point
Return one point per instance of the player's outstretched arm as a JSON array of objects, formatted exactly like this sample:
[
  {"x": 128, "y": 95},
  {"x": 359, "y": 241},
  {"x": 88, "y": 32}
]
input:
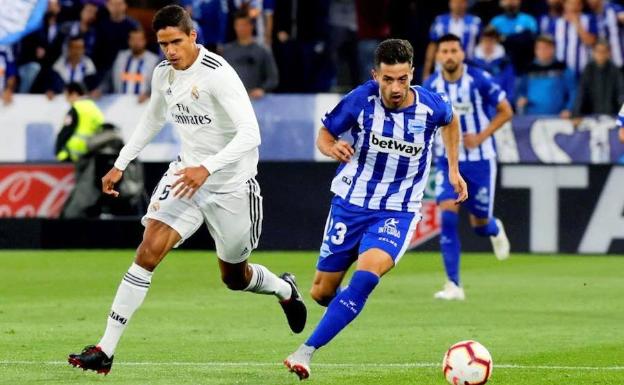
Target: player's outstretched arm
[
  {"x": 504, "y": 113},
  {"x": 450, "y": 137},
  {"x": 110, "y": 180},
  {"x": 336, "y": 149}
]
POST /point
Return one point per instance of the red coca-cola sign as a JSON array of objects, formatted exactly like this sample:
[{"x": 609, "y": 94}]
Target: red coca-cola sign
[{"x": 34, "y": 190}]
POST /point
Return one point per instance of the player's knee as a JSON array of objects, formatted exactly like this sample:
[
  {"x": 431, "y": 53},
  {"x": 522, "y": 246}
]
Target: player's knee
[
  {"x": 234, "y": 281},
  {"x": 148, "y": 255},
  {"x": 321, "y": 296}
]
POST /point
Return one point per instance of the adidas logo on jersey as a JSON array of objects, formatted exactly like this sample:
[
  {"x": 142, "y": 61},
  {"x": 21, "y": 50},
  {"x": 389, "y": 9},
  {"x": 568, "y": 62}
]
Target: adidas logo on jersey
[{"x": 394, "y": 146}]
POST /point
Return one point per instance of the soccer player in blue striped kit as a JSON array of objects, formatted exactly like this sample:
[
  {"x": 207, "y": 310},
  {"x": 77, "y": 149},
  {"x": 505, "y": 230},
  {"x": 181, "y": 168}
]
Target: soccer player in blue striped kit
[
  {"x": 473, "y": 94},
  {"x": 382, "y": 133}
]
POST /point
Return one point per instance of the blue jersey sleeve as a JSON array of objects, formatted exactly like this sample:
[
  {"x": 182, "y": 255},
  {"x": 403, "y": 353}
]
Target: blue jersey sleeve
[
  {"x": 620, "y": 117},
  {"x": 344, "y": 116},
  {"x": 442, "y": 109},
  {"x": 491, "y": 92},
  {"x": 433, "y": 31},
  {"x": 531, "y": 24}
]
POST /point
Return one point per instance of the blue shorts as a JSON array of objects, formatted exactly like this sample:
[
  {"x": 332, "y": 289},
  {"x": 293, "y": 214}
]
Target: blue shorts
[
  {"x": 351, "y": 230},
  {"x": 480, "y": 176}
]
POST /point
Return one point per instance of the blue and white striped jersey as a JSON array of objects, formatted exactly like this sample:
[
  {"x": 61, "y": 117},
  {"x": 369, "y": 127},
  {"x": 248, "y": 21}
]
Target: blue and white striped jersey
[
  {"x": 133, "y": 75},
  {"x": 609, "y": 29},
  {"x": 568, "y": 45},
  {"x": 473, "y": 96},
  {"x": 392, "y": 158},
  {"x": 7, "y": 65},
  {"x": 467, "y": 29}
]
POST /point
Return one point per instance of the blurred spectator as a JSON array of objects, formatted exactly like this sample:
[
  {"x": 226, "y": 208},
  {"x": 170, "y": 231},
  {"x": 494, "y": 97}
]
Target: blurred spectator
[
  {"x": 601, "y": 89},
  {"x": 301, "y": 50},
  {"x": 83, "y": 120},
  {"x": 411, "y": 20},
  {"x": 133, "y": 67},
  {"x": 574, "y": 33},
  {"x": 490, "y": 56},
  {"x": 85, "y": 26},
  {"x": 39, "y": 50},
  {"x": 212, "y": 18},
  {"x": 261, "y": 12},
  {"x": 113, "y": 29},
  {"x": 548, "y": 87},
  {"x": 8, "y": 72},
  {"x": 518, "y": 30},
  {"x": 70, "y": 9},
  {"x": 486, "y": 9},
  {"x": 343, "y": 44},
  {"x": 74, "y": 67},
  {"x": 610, "y": 18},
  {"x": 547, "y": 21},
  {"x": 253, "y": 63},
  {"x": 512, "y": 21},
  {"x": 458, "y": 22},
  {"x": 372, "y": 28}
]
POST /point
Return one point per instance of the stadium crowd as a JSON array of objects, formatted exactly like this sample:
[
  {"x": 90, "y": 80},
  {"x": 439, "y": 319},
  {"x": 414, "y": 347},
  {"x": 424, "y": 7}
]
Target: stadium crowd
[{"x": 554, "y": 57}]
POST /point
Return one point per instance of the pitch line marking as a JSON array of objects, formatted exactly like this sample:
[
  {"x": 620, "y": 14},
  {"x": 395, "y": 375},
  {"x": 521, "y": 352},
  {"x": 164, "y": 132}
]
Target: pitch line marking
[{"x": 327, "y": 365}]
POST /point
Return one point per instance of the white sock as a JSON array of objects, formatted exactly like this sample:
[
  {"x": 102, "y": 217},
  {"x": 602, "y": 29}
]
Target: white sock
[
  {"x": 129, "y": 297},
  {"x": 264, "y": 282}
]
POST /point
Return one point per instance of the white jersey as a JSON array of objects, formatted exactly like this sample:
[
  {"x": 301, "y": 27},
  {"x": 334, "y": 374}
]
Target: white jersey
[{"x": 212, "y": 113}]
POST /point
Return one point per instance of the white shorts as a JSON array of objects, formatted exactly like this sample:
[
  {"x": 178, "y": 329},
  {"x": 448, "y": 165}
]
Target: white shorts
[{"x": 234, "y": 219}]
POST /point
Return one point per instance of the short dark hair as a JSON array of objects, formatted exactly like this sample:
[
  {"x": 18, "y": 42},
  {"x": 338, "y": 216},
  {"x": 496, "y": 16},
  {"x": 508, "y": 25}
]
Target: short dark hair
[
  {"x": 490, "y": 32},
  {"x": 449, "y": 37},
  {"x": 137, "y": 29},
  {"x": 172, "y": 16},
  {"x": 545, "y": 38},
  {"x": 78, "y": 36},
  {"x": 394, "y": 51},
  {"x": 242, "y": 13},
  {"x": 76, "y": 88},
  {"x": 604, "y": 42}
]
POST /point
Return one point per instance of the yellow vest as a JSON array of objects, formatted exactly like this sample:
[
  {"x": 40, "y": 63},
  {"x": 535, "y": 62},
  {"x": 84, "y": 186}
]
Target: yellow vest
[{"x": 90, "y": 119}]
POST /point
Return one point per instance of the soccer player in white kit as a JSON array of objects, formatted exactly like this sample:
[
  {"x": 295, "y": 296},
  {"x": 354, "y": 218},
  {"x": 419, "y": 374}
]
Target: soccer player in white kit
[{"x": 211, "y": 182}]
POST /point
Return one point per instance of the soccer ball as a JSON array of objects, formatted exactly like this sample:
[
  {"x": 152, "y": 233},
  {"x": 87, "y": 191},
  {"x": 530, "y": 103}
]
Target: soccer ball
[{"x": 467, "y": 363}]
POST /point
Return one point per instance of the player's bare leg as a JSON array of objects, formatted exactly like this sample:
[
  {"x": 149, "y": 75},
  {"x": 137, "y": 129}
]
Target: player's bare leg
[
  {"x": 372, "y": 264},
  {"x": 158, "y": 240},
  {"x": 493, "y": 228},
  {"x": 450, "y": 247},
  {"x": 258, "y": 279},
  {"x": 325, "y": 286}
]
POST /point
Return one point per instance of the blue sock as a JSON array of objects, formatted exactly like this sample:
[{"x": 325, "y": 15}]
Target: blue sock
[
  {"x": 489, "y": 230},
  {"x": 344, "y": 308},
  {"x": 450, "y": 245}
]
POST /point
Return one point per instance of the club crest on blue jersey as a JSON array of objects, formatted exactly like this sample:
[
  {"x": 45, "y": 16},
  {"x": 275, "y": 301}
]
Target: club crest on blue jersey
[{"x": 415, "y": 126}]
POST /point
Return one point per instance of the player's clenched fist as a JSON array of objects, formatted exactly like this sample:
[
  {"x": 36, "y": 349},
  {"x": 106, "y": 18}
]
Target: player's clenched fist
[
  {"x": 109, "y": 180},
  {"x": 341, "y": 151},
  {"x": 191, "y": 179}
]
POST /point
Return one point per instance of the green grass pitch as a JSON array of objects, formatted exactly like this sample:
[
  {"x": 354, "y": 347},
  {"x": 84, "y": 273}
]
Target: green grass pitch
[{"x": 545, "y": 319}]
